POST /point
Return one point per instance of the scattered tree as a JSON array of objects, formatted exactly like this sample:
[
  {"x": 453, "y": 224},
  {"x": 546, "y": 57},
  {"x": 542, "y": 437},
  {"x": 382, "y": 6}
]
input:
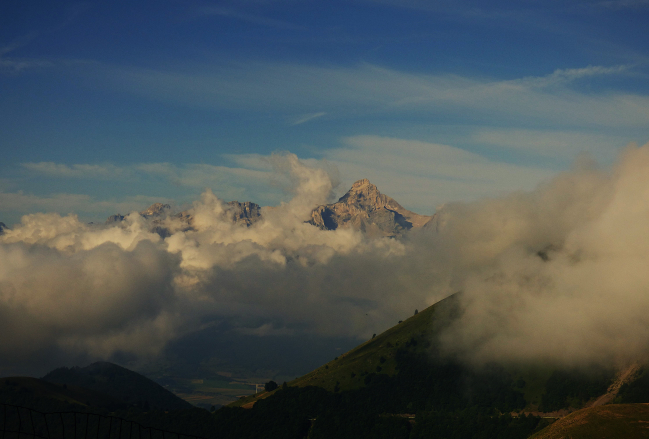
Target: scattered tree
[{"x": 270, "y": 386}]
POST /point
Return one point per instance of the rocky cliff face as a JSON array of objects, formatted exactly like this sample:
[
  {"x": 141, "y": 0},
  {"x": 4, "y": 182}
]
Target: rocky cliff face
[
  {"x": 156, "y": 210},
  {"x": 245, "y": 213},
  {"x": 364, "y": 208}
]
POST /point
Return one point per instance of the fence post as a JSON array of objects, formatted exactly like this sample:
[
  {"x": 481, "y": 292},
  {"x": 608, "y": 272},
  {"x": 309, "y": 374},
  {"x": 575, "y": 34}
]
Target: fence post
[
  {"x": 31, "y": 421},
  {"x": 46, "y": 433},
  {"x": 20, "y": 422},
  {"x": 47, "y": 426}
]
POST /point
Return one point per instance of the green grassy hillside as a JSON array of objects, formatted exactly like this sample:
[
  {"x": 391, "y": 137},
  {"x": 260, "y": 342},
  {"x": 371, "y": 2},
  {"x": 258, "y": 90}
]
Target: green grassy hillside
[
  {"x": 410, "y": 348},
  {"x": 349, "y": 371},
  {"x": 378, "y": 355}
]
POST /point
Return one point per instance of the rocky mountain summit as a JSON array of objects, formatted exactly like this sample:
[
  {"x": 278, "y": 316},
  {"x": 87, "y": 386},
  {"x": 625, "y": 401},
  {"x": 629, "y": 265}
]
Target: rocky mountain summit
[{"x": 364, "y": 208}]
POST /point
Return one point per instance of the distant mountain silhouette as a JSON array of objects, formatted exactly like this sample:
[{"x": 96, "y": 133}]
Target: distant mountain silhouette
[
  {"x": 120, "y": 383},
  {"x": 51, "y": 397}
]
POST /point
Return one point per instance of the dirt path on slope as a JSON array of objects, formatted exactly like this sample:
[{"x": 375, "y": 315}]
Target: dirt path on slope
[{"x": 623, "y": 377}]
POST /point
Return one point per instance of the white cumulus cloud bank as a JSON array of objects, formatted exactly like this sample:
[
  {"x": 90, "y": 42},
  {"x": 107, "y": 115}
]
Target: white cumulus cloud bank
[
  {"x": 554, "y": 274},
  {"x": 101, "y": 290}
]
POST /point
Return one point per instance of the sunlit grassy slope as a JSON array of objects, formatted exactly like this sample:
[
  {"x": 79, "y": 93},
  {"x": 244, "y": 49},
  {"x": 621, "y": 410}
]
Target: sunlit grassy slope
[
  {"x": 377, "y": 355},
  {"x": 416, "y": 337},
  {"x": 623, "y": 421},
  {"x": 349, "y": 370}
]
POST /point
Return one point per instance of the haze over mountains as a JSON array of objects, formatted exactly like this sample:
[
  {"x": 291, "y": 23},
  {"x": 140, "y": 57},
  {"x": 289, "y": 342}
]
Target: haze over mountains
[{"x": 555, "y": 274}]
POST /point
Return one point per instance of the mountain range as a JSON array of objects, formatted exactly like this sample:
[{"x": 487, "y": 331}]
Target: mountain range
[{"x": 363, "y": 208}]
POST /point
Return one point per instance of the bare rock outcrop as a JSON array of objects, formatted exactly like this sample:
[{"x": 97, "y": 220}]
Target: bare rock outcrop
[
  {"x": 156, "y": 210},
  {"x": 246, "y": 213},
  {"x": 364, "y": 208}
]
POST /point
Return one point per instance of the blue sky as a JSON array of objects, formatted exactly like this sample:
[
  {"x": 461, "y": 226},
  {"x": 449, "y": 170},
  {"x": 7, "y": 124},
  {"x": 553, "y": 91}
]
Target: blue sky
[{"x": 108, "y": 107}]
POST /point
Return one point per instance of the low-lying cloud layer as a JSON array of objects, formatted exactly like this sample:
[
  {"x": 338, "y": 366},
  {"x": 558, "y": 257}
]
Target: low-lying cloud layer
[{"x": 559, "y": 273}]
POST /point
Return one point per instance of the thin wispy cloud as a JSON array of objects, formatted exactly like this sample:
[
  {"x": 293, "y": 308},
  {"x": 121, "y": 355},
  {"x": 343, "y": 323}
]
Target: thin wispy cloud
[
  {"x": 564, "y": 145},
  {"x": 84, "y": 204},
  {"x": 74, "y": 171},
  {"x": 566, "y": 76},
  {"x": 15, "y": 64},
  {"x": 367, "y": 89},
  {"x": 307, "y": 118},
  {"x": 249, "y": 18},
  {"x": 423, "y": 175},
  {"x": 250, "y": 180},
  {"x": 624, "y": 4},
  {"x": 420, "y": 174},
  {"x": 192, "y": 175}
]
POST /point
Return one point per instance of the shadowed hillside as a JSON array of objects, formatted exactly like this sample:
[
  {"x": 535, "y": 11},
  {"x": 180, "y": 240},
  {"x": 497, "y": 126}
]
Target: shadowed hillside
[
  {"x": 120, "y": 383},
  {"x": 48, "y": 397}
]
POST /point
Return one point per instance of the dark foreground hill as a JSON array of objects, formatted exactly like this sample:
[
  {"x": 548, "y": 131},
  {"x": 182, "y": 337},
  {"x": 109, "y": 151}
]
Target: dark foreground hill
[
  {"x": 50, "y": 397},
  {"x": 120, "y": 383},
  {"x": 396, "y": 385}
]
